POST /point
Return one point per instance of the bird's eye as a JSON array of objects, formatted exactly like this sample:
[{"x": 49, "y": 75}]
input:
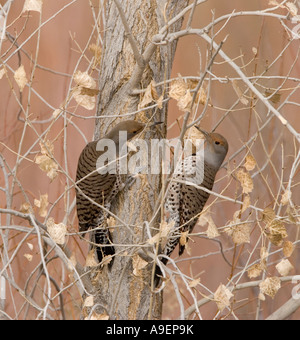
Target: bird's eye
[{"x": 217, "y": 142}]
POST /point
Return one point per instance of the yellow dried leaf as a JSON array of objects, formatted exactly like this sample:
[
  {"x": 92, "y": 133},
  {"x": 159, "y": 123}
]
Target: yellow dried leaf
[
  {"x": 56, "y": 113},
  {"x": 246, "y": 203},
  {"x": 20, "y": 77},
  {"x": 45, "y": 161},
  {"x": 47, "y": 165},
  {"x": 159, "y": 102},
  {"x": 250, "y": 163},
  {"x": 272, "y": 96},
  {"x": 285, "y": 198},
  {"x": 162, "y": 236},
  {"x": 33, "y": 5},
  {"x": 72, "y": 262},
  {"x": 201, "y": 95},
  {"x": 212, "y": 230},
  {"x": 47, "y": 148},
  {"x": 288, "y": 248},
  {"x": 185, "y": 102},
  {"x": 83, "y": 79},
  {"x": 270, "y": 286},
  {"x": 222, "y": 297},
  {"x": 28, "y": 257},
  {"x": 240, "y": 233},
  {"x": 84, "y": 100},
  {"x": 183, "y": 238},
  {"x": 268, "y": 215},
  {"x": 254, "y": 271},
  {"x": 106, "y": 260},
  {"x": 138, "y": 264},
  {"x": 85, "y": 92},
  {"x": 96, "y": 50},
  {"x": 2, "y": 72},
  {"x": 26, "y": 208},
  {"x": 90, "y": 260},
  {"x": 275, "y": 230},
  {"x": 42, "y": 204},
  {"x": 56, "y": 231},
  {"x": 150, "y": 95},
  {"x": 284, "y": 267},
  {"x": 263, "y": 253},
  {"x": 180, "y": 91},
  {"x": 245, "y": 180},
  {"x": 30, "y": 245},
  {"x": 111, "y": 222},
  {"x": 89, "y": 301}
]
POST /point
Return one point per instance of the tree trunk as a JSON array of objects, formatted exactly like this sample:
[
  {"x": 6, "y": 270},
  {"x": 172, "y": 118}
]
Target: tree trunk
[{"x": 120, "y": 292}]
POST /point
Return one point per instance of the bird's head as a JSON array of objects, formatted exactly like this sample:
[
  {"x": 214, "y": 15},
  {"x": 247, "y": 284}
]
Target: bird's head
[{"x": 216, "y": 148}]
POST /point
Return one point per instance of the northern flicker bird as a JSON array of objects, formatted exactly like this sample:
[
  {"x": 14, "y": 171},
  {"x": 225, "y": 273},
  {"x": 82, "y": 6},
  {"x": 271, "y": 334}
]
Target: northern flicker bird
[
  {"x": 96, "y": 188},
  {"x": 184, "y": 202}
]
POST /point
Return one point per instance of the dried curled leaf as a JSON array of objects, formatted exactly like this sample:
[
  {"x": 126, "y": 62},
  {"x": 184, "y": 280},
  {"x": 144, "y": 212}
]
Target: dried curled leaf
[
  {"x": 286, "y": 197},
  {"x": 26, "y": 208},
  {"x": 270, "y": 286},
  {"x": 89, "y": 301},
  {"x": 29, "y": 257},
  {"x": 20, "y": 77},
  {"x": 240, "y": 233},
  {"x": 222, "y": 297},
  {"x": 85, "y": 80},
  {"x": 56, "y": 231},
  {"x": 46, "y": 161},
  {"x": 255, "y": 271},
  {"x": 90, "y": 260},
  {"x": 183, "y": 238},
  {"x": 162, "y": 236},
  {"x": 33, "y": 5},
  {"x": 96, "y": 50},
  {"x": 212, "y": 230},
  {"x": 180, "y": 91},
  {"x": 42, "y": 204},
  {"x": 150, "y": 95},
  {"x": 138, "y": 264},
  {"x": 284, "y": 267},
  {"x": 2, "y": 72},
  {"x": 245, "y": 180},
  {"x": 250, "y": 163},
  {"x": 288, "y": 248},
  {"x": 85, "y": 93},
  {"x": 246, "y": 203},
  {"x": 275, "y": 229}
]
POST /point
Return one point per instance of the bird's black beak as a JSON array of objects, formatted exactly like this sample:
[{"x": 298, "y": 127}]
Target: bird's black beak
[{"x": 205, "y": 133}]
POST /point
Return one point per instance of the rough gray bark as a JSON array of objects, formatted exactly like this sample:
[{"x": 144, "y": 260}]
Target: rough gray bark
[{"x": 119, "y": 293}]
